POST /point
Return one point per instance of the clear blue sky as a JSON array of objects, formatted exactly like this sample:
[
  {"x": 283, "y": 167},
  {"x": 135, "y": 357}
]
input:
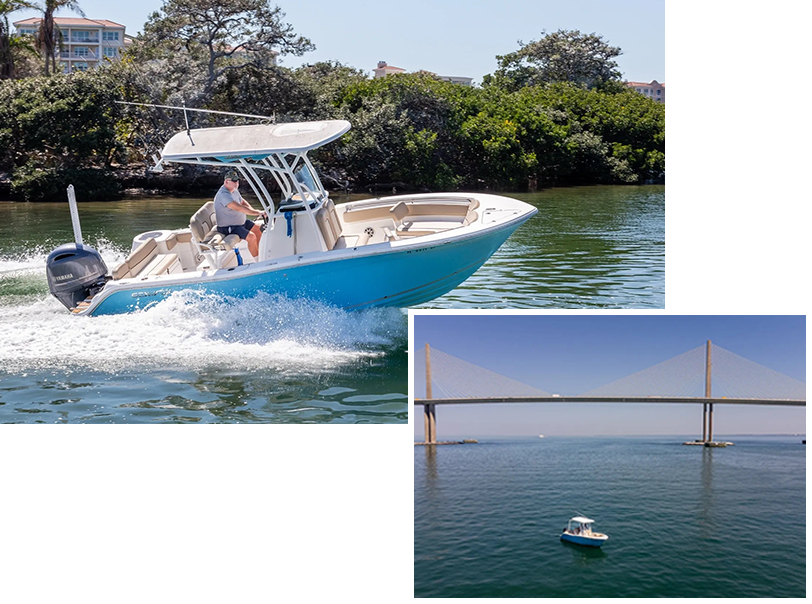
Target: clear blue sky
[
  {"x": 448, "y": 37},
  {"x": 570, "y": 355}
]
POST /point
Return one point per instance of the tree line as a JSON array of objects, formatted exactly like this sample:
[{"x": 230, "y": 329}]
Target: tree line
[{"x": 554, "y": 112}]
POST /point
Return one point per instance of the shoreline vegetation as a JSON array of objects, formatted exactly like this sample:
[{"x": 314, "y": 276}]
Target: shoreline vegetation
[{"x": 553, "y": 113}]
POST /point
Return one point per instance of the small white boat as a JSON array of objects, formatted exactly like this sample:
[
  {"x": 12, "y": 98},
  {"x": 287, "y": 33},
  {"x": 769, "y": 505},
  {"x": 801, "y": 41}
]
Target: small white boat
[
  {"x": 579, "y": 530},
  {"x": 394, "y": 251}
]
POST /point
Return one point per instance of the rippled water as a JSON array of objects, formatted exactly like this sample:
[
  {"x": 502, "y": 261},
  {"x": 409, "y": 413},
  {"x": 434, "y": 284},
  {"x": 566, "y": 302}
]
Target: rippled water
[
  {"x": 682, "y": 521},
  {"x": 588, "y": 247}
]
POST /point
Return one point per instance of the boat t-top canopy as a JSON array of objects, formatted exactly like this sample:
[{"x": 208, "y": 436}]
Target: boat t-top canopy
[
  {"x": 280, "y": 149},
  {"x": 582, "y": 520},
  {"x": 256, "y": 141}
]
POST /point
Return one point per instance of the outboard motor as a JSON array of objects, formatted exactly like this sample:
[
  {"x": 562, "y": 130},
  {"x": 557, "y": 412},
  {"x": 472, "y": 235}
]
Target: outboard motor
[{"x": 75, "y": 271}]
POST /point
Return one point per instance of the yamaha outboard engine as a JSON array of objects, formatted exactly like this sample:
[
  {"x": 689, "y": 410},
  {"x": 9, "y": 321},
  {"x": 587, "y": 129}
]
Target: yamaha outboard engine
[{"x": 75, "y": 271}]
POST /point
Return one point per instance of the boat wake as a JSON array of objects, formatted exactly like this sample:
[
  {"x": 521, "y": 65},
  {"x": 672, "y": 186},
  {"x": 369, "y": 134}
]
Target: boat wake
[{"x": 187, "y": 331}]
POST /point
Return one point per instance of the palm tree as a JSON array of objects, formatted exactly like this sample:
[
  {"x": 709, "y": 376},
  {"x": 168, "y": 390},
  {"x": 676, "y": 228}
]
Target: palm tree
[
  {"x": 7, "y": 41},
  {"x": 49, "y": 36}
]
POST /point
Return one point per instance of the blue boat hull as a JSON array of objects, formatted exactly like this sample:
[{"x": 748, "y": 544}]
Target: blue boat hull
[
  {"x": 400, "y": 277},
  {"x": 582, "y": 540}
]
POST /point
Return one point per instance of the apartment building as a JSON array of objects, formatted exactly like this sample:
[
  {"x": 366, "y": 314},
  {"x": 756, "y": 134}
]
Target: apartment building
[
  {"x": 86, "y": 43},
  {"x": 384, "y": 70},
  {"x": 461, "y": 80},
  {"x": 653, "y": 90}
]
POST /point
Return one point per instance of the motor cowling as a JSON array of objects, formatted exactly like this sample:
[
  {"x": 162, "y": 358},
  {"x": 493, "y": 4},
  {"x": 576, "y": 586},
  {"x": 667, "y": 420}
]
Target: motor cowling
[{"x": 75, "y": 271}]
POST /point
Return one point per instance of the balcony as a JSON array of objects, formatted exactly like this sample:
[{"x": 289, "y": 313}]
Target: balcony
[
  {"x": 80, "y": 40},
  {"x": 87, "y": 56}
]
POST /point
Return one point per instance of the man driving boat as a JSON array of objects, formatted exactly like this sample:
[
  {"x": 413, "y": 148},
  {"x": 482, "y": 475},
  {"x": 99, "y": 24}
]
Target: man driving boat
[{"x": 231, "y": 211}]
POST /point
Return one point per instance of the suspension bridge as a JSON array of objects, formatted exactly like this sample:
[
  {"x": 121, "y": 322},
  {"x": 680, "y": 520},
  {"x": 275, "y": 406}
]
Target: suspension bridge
[{"x": 708, "y": 375}]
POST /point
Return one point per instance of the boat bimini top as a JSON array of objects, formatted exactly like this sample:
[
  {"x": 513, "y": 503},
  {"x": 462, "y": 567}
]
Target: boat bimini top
[
  {"x": 255, "y": 142},
  {"x": 582, "y": 520},
  {"x": 280, "y": 149}
]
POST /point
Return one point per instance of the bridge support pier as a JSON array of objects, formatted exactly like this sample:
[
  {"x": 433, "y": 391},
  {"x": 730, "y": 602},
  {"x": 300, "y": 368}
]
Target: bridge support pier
[
  {"x": 429, "y": 411},
  {"x": 430, "y": 423},
  {"x": 704, "y": 421},
  {"x": 707, "y": 413}
]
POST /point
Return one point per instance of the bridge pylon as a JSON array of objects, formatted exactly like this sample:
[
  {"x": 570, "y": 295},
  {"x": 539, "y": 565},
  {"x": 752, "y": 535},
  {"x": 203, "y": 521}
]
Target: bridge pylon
[
  {"x": 429, "y": 410},
  {"x": 707, "y": 408}
]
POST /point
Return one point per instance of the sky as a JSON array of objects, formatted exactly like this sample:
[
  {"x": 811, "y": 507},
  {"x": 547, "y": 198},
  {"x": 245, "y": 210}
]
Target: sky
[
  {"x": 447, "y": 37},
  {"x": 570, "y": 355}
]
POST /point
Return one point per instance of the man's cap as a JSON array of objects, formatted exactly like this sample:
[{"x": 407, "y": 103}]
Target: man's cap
[{"x": 232, "y": 175}]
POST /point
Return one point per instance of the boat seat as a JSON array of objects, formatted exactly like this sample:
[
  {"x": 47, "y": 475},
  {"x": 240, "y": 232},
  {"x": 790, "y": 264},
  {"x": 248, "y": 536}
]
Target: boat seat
[
  {"x": 419, "y": 219},
  {"x": 176, "y": 238},
  {"x": 183, "y": 237},
  {"x": 363, "y": 214},
  {"x": 328, "y": 222},
  {"x": 203, "y": 225},
  {"x": 163, "y": 264},
  {"x": 399, "y": 211},
  {"x": 137, "y": 260},
  {"x": 440, "y": 209}
]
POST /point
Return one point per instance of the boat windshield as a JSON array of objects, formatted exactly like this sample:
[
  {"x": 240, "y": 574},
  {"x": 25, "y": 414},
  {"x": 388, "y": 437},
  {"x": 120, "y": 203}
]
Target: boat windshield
[{"x": 305, "y": 177}]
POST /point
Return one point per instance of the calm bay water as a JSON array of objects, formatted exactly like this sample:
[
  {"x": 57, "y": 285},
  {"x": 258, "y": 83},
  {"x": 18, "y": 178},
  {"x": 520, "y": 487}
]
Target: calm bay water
[
  {"x": 588, "y": 247},
  {"x": 682, "y": 521}
]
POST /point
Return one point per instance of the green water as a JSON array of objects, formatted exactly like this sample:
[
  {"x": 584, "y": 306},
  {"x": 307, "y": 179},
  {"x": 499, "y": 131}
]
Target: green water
[
  {"x": 682, "y": 521},
  {"x": 588, "y": 247}
]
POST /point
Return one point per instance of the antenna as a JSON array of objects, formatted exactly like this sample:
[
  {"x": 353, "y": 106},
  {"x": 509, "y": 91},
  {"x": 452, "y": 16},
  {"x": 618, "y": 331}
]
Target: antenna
[
  {"x": 74, "y": 215},
  {"x": 186, "y": 117},
  {"x": 158, "y": 167},
  {"x": 184, "y": 108}
]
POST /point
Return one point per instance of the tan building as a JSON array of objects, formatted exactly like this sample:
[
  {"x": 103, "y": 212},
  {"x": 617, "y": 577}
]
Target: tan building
[
  {"x": 653, "y": 90},
  {"x": 86, "y": 43},
  {"x": 384, "y": 70},
  {"x": 461, "y": 80}
]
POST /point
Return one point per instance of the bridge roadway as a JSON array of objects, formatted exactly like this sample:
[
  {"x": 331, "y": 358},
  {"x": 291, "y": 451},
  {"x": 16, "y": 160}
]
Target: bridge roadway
[
  {"x": 430, "y": 416},
  {"x": 611, "y": 399}
]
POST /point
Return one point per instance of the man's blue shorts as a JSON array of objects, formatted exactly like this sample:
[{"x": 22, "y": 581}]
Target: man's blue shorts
[{"x": 241, "y": 229}]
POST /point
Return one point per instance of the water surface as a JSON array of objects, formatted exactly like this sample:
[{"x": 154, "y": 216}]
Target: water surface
[
  {"x": 588, "y": 247},
  {"x": 682, "y": 521}
]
